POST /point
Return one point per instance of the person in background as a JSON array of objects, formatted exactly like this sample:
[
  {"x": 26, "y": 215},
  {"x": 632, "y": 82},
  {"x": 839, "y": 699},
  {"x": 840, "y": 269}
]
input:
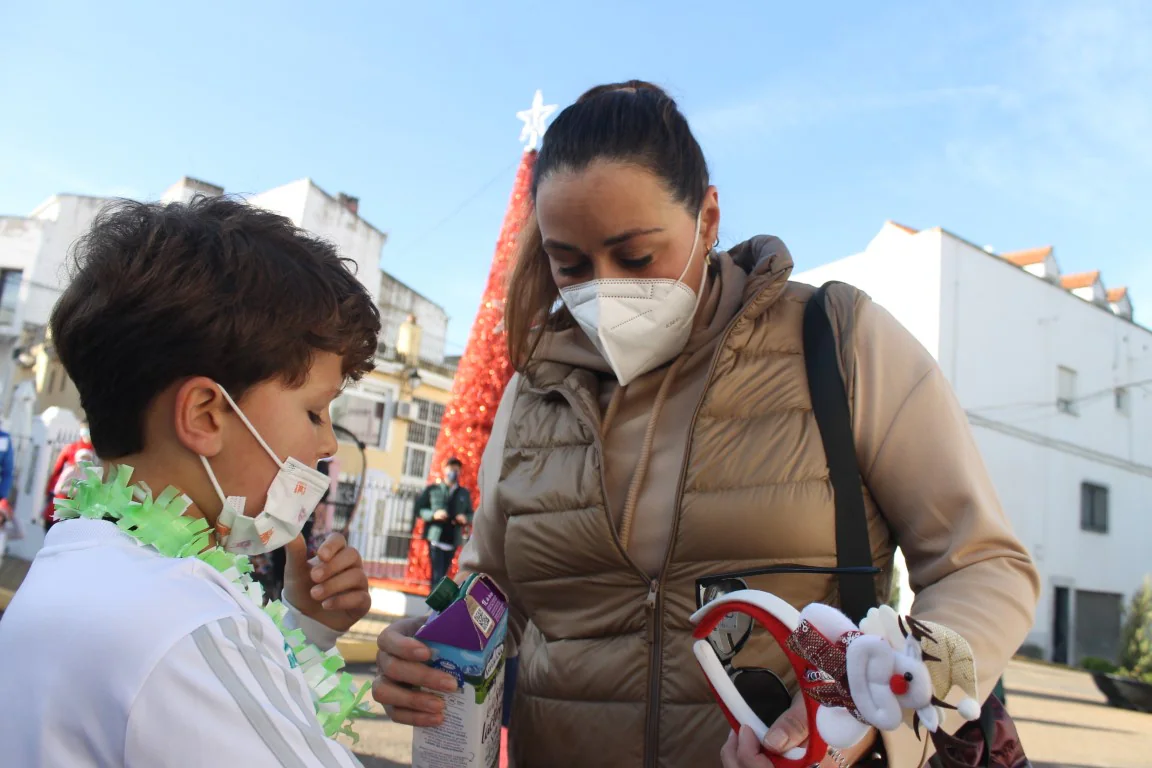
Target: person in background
[
  {"x": 445, "y": 508},
  {"x": 65, "y": 471},
  {"x": 7, "y": 471}
]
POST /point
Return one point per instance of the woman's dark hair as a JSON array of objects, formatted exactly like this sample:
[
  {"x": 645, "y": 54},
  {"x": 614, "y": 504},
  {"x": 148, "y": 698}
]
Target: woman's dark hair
[
  {"x": 214, "y": 287},
  {"x": 633, "y": 122}
]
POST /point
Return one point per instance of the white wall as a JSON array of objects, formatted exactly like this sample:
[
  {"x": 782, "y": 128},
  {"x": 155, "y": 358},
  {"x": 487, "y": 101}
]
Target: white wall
[
  {"x": 396, "y": 302},
  {"x": 1000, "y": 334},
  {"x": 314, "y": 210},
  {"x": 20, "y": 240},
  {"x": 287, "y": 200},
  {"x": 354, "y": 237},
  {"x": 901, "y": 272},
  {"x": 65, "y": 219}
]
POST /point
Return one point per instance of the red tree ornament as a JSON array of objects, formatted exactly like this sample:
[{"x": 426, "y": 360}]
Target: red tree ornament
[{"x": 482, "y": 375}]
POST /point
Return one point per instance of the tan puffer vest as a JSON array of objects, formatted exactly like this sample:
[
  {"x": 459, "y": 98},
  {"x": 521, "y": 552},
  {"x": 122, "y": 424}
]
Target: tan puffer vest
[{"x": 607, "y": 674}]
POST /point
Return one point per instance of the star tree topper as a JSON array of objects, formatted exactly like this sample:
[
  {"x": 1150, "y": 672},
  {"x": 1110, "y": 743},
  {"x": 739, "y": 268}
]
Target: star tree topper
[{"x": 534, "y": 121}]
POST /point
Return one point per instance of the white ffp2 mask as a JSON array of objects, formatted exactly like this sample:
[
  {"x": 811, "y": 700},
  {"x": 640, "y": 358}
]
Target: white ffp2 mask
[
  {"x": 292, "y": 497},
  {"x": 636, "y": 324}
]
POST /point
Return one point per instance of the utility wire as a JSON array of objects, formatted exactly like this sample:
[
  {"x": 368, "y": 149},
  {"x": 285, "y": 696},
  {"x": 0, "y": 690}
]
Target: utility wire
[
  {"x": 455, "y": 211},
  {"x": 1053, "y": 403}
]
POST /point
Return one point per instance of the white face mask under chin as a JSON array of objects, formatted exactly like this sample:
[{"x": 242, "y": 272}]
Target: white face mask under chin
[
  {"x": 637, "y": 324},
  {"x": 292, "y": 497}
]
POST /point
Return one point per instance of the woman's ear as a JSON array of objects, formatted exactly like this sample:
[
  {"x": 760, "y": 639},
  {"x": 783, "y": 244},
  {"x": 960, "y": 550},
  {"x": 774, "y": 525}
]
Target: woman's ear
[
  {"x": 710, "y": 217},
  {"x": 199, "y": 416}
]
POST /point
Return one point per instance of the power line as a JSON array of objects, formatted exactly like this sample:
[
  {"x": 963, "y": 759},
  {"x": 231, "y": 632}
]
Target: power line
[
  {"x": 471, "y": 198},
  {"x": 1054, "y": 403},
  {"x": 1060, "y": 445}
]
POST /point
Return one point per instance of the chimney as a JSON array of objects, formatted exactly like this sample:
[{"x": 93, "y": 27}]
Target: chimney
[
  {"x": 408, "y": 340},
  {"x": 349, "y": 202}
]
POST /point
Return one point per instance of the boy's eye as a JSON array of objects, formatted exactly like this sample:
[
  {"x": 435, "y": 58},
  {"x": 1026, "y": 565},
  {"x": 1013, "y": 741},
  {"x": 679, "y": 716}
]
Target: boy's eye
[{"x": 316, "y": 418}]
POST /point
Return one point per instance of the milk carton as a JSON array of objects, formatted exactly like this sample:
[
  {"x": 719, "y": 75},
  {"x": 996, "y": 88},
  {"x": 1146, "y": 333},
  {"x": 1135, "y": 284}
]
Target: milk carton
[{"x": 466, "y": 637}]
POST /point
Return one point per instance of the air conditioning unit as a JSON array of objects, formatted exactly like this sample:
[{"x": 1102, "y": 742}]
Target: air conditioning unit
[{"x": 405, "y": 411}]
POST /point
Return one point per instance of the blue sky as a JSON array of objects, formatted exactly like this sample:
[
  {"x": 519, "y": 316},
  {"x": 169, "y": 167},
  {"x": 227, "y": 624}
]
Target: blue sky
[{"x": 1012, "y": 124}]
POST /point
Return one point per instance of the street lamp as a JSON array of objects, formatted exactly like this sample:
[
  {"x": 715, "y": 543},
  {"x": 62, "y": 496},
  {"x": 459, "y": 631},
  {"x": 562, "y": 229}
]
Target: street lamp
[{"x": 413, "y": 380}]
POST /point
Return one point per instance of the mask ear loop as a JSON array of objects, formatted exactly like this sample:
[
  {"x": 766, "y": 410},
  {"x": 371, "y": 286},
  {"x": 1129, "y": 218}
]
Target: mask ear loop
[
  {"x": 212, "y": 478},
  {"x": 251, "y": 428}
]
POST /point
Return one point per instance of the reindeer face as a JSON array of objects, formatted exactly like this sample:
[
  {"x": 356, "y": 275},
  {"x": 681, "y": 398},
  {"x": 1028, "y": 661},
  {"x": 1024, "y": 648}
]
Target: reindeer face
[
  {"x": 886, "y": 682},
  {"x": 911, "y": 684}
]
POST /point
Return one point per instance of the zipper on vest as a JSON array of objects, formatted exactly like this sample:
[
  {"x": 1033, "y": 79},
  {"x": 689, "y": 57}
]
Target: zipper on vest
[
  {"x": 650, "y": 609},
  {"x": 656, "y": 620}
]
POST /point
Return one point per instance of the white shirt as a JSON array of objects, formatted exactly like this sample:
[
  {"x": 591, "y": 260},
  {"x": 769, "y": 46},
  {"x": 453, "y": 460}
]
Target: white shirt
[{"x": 113, "y": 655}]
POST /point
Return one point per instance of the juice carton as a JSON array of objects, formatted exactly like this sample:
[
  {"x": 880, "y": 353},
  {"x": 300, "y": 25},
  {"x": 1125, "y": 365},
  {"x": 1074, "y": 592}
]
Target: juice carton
[{"x": 466, "y": 637}]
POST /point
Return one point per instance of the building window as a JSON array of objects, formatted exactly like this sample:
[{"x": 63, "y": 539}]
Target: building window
[
  {"x": 1066, "y": 391},
  {"x": 1093, "y": 508},
  {"x": 416, "y": 463},
  {"x": 362, "y": 416},
  {"x": 1122, "y": 400},
  {"x": 423, "y": 432},
  {"x": 9, "y": 295}
]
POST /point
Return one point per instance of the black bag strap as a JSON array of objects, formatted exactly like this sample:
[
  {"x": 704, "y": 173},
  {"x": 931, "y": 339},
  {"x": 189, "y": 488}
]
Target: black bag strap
[{"x": 833, "y": 417}]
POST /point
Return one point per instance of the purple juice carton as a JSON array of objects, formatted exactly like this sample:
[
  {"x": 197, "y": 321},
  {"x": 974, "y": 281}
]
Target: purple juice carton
[{"x": 466, "y": 636}]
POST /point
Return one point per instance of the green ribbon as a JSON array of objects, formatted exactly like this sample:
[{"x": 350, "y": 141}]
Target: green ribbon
[{"x": 160, "y": 523}]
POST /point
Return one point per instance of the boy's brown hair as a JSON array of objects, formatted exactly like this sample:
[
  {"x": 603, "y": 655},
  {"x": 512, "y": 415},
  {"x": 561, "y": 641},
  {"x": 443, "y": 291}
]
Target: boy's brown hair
[{"x": 214, "y": 287}]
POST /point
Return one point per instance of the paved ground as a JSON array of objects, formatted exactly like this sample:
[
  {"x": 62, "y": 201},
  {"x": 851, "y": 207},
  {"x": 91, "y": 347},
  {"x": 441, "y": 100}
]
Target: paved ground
[{"x": 1064, "y": 721}]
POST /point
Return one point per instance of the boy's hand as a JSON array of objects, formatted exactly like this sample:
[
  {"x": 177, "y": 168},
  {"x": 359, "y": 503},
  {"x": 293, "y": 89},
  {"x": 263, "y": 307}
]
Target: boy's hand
[
  {"x": 332, "y": 587},
  {"x": 439, "y": 516}
]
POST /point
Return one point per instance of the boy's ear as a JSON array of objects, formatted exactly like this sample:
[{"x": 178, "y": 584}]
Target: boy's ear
[{"x": 199, "y": 416}]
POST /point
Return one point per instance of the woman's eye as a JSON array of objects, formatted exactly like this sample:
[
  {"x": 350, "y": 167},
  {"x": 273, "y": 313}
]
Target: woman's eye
[
  {"x": 639, "y": 263},
  {"x": 573, "y": 271}
]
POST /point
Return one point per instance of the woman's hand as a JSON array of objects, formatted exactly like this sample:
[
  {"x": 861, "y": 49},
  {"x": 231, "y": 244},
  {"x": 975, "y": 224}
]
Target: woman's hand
[
  {"x": 400, "y": 667},
  {"x": 332, "y": 587},
  {"x": 790, "y": 730}
]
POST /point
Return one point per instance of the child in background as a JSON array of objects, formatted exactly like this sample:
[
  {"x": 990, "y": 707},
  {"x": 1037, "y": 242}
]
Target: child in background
[{"x": 207, "y": 341}]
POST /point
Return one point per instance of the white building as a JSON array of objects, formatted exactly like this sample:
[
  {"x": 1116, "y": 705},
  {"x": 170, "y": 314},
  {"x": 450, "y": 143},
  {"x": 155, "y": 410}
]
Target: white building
[
  {"x": 1056, "y": 379},
  {"x": 33, "y": 254}
]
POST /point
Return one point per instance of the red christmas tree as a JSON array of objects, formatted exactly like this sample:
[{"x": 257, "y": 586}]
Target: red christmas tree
[{"x": 483, "y": 373}]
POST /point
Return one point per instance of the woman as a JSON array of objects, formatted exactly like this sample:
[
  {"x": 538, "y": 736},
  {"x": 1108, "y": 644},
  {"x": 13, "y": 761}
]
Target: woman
[{"x": 660, "y": 431}]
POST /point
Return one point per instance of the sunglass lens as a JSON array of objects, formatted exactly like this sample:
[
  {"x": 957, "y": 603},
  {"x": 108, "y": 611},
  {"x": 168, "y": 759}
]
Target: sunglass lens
[
  {"x": 734, "y": 628},
  {"x": 765, "y": 693}
]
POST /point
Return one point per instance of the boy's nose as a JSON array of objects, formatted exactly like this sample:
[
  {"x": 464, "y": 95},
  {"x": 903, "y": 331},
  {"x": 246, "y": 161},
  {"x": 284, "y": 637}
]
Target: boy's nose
[{"x": 329, "y": 447}]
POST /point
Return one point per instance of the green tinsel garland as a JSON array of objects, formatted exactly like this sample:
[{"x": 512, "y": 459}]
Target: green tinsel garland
[{"x": 161, "y": 524}]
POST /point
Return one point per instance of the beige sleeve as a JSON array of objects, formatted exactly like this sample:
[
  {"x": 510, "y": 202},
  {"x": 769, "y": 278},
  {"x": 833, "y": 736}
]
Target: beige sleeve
[
  {"x": 484, "y": 551},
  {"x": 924, "y": 470}
]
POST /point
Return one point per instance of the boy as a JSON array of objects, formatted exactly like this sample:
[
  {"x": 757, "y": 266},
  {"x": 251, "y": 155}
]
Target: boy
[{"x": 207, "y": 341}]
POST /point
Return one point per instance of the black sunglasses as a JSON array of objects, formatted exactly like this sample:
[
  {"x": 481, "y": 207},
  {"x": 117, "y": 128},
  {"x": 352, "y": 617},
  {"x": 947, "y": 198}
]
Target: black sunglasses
[{"x": 761, "y": 688}]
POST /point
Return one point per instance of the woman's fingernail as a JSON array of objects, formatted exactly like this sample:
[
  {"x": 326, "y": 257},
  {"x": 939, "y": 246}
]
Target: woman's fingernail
[
  {"x": 327, "y": 604},
  {"x": 775, "y": 740},
  {"x": 317, "y": 592},
  {"x": 317, "y": 574}
]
